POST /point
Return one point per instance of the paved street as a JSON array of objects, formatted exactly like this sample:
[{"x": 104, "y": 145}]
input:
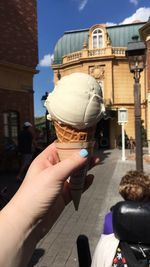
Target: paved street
[{"x": 58, "y": 248}]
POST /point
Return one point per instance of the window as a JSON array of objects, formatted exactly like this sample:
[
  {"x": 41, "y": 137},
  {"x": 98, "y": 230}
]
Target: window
[
  {"x": 97, "y": 36},
  {"x": 10, "y": 122}
]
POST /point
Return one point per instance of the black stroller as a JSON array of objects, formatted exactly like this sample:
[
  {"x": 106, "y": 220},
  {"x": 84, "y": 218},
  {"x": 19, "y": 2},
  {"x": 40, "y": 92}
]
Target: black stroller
[{"x": 131, "y": 225}]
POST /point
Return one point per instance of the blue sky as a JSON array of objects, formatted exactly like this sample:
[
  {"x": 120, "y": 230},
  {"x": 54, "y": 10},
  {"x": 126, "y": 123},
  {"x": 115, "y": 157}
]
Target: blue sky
[{"x": 57, "y": 16}]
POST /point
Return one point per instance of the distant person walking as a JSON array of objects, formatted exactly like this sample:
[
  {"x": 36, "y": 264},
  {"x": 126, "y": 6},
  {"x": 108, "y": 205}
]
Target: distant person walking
[
  {"x": 25, "y": 140},
  {"x": 131, "y": 145}
]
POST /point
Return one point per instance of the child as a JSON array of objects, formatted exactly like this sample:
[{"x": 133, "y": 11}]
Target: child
[{"x": 134, "y": 186}]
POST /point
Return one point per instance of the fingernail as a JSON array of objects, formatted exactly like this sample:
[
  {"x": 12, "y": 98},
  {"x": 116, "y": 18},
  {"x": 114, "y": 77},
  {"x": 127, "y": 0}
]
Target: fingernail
[{"x": 83, "y": 153}]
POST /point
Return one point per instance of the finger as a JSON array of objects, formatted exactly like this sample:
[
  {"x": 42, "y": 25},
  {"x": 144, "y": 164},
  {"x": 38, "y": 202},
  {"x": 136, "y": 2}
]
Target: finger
[
  {"x": 65, "y": 168},
  {"x": 93, "y": 162},
  {"x": 45, "y": 159},
  {"x": 50, "y": 150}
]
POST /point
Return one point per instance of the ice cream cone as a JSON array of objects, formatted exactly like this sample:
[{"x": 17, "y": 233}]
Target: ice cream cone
[
  {"x": 75, "y": 106},
  {"x": 77, "y": 180},
  {"x": 68, "y": 134}
]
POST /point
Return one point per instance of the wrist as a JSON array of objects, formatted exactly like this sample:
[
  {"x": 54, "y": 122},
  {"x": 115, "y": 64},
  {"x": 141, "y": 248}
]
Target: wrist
[
  {"x": 49, "y": 219},
  {"x": 20, "y": 240},
  {"x": 29, "y": 219}
]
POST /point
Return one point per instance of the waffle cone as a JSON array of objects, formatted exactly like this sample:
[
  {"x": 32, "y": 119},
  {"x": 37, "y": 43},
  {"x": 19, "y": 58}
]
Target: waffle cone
[
  {"x": 68, "y": 134},
  {"x": 77, "y": 180}
]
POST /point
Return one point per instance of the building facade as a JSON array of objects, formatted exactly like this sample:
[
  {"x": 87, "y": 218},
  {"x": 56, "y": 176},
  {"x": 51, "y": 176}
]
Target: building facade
[
  {"x": 145, "y": 35},
  {"x": 18, "y": 61},
  {"x": 100, "y": 52}
]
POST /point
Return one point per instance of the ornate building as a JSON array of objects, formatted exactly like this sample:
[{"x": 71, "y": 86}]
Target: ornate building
[
  {"x": 18, "y": 60},
  {"x": 145, "y": 35},
  {"x": 100, "y": 51}
]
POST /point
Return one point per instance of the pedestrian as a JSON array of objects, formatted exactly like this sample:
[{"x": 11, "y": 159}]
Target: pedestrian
[
  {"x": 131, "y": 145},
  {"x": 37, "y": 204},
  {"x": 134, "y": 186},
  {"x": 25, "y": 142},
  {"x": 39, "y": 144}
]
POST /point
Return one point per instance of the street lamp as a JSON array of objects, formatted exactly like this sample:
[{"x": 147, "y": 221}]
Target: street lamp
[
  {"x": 137, "y": 57},
  {"x": 122, "y": 120},
  {"x": 58, "y": 75},
  {"x": 44, "y": 97}
]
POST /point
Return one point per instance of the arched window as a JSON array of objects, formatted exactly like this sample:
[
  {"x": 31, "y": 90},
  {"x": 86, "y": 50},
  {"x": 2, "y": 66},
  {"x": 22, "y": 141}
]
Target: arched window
[
  {"x": 11, "y": 125},
  {"x": 97, "y": 37}
]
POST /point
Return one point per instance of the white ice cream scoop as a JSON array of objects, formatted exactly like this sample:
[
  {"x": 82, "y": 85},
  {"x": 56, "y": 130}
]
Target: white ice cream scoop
[{"x": 76, "y": 100}]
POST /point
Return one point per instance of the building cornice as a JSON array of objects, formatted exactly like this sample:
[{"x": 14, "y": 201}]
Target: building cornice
[
  {"x": 13, "y": 66},
  {"x": 145, "y": 32}
]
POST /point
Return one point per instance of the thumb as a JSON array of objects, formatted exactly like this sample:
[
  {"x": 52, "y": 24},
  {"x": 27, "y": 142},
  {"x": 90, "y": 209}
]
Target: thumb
[{"x": 63, "y": 169}]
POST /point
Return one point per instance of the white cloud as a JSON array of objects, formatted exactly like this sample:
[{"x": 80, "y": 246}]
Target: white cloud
[
  {"x": 135, "y": 2},
  {"x": 46, "y": 61},
  {"x": 110, "y": 24},
  {"x": 82, "y": 4},
  {"x": 141, "y": 14}
]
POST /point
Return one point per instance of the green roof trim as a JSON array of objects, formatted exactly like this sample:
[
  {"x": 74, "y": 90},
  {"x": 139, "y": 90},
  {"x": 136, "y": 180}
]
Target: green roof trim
[
  {"x": 123, "y": 34},
  {"x": 70, "y": 42},
  {"x": 73, "y": 41}
]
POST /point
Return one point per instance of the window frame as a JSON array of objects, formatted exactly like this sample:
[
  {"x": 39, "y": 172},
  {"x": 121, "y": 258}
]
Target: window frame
[
  {"x": 98, "y": 34},
  {"x": 11, "y": 125}
]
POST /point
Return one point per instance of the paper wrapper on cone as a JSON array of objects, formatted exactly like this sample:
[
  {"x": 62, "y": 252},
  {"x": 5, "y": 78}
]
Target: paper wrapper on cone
[{"x": 77, "y": 180}]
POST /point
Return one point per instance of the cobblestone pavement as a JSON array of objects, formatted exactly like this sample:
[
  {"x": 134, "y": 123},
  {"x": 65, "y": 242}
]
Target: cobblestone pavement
[{"x": 58, "y": 248}]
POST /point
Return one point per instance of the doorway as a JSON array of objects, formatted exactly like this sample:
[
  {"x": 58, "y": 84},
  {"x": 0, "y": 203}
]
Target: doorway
[{"x": 102, "y": 133}]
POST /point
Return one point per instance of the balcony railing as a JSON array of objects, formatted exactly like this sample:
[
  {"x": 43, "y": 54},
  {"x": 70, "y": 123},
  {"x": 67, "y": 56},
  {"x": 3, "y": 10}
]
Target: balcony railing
[
  {"x": 101, "y": 52},
  {"x": 74, "y": 56},
  {"x": 96, "y": 52},
  {"x": 118, "y": 51}
]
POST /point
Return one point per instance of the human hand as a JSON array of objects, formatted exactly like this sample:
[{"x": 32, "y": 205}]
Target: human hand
[
  {"x": 37, "y": 204},
  {"x": 45, "y": 190}
]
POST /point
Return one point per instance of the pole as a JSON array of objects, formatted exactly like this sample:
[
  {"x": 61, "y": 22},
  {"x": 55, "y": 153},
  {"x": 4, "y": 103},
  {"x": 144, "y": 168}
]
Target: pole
[
  {"x": 148, "y": 122},
  {"x": 138, "y": 132},
  {"x": 123, "y": 142}
]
